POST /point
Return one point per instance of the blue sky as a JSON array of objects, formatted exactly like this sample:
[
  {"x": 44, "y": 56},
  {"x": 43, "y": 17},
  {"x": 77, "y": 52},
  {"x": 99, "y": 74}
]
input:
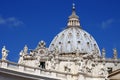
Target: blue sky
[{"x": 29, "y": 21}]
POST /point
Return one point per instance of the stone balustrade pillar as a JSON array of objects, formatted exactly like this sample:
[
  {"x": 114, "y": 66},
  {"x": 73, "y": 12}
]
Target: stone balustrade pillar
[
  {"x": 69, "y": 77},
  {"x": 4, "y": 64},
  {"x": 53, "y": 74},
  {"x": 21, "y": 68},
  {"x": 37, "y": 71},
  {"x": 81, "y": 77}
]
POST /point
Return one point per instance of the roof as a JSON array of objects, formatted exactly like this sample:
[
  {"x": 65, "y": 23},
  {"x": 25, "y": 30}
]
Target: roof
[{"x": 115, "y": 75}]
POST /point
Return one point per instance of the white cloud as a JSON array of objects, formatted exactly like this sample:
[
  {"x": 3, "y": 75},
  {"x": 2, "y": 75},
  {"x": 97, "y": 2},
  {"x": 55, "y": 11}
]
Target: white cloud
[
  {"x": 11, "y": 21},
  {"x": 2, "y": 21},
  {"x": 107, "y": 23}
]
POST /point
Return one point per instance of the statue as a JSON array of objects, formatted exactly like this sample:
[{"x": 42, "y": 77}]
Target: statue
[
  {"x": 115, "y": 53},
  {"x": 4, "y": 53},
  {"x": 21, "y": 57},
  {"x": 25, "y": 50},
  {"x": 89, "y": 66},
  {"x": 55, "y": 52},
  {"x": 56, "y": 49},
  {"x": 42, "y": 44},
  {"x": 37, "y": 61},
  {"x": 81, "y": 65},
  {"x": 31, "y": 53},
  {"x": 21, "y": 53},
  {"x": 103, "y": 53}
]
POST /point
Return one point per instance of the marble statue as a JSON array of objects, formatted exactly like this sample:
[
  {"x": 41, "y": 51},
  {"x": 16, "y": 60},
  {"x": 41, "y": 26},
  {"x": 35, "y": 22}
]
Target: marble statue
[
  {"x": 4, "y": 53},
  {"x": 37, "y": 61},
  {"x": 25, "y": 50},
  {"x": 21, "y": 57},
  {"x": 42, "y": 44},
  {"x": 103, "y": 53},
  {"x": 81, "y": 65},
  {"x": 115, "y": 53}
]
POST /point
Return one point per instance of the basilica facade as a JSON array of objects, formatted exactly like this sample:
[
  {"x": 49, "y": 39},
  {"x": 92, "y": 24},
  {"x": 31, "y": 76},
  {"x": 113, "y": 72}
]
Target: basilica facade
[{"x": 73, "y": 54}]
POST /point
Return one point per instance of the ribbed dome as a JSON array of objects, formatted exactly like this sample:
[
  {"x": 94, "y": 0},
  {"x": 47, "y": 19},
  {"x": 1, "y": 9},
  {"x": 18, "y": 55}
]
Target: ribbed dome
[{"x": 74, "y": 38}]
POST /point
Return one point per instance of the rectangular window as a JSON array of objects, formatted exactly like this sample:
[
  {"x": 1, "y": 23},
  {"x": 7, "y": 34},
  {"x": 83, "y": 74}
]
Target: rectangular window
[
  {"x": 109, "y": 70},
  {"x": 42, "y": 65}
]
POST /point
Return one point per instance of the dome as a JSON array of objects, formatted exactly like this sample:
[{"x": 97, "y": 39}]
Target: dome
[{"x": 74, "y": 38}]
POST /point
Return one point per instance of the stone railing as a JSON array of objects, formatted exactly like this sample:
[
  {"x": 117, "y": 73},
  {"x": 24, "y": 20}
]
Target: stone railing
[
  {"x": 108, "y": 60},
  {"x": 35, "y": 70}
]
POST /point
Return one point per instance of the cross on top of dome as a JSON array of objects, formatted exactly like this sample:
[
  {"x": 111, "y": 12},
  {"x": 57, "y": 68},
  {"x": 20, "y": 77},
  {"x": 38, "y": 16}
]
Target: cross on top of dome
[
  {"x": 73, "y": 5},
  {"x": 73, "y": 12}
]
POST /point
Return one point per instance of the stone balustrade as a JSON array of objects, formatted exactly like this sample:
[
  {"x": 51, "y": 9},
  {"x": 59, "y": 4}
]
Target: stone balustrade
[{"x": 35, "y": 70}]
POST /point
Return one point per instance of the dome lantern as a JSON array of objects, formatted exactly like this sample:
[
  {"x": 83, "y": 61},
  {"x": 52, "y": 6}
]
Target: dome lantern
[{"x": 73, "y": 20}]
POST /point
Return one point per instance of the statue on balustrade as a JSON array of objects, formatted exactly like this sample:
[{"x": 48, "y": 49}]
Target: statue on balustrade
[
  {"x": 115, "y": 53},
  {"x": 4, "y": 53}
]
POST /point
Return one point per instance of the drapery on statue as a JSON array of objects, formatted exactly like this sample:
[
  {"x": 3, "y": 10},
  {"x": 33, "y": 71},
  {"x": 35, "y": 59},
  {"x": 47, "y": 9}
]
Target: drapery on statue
[{"x": 4, "y": 53}]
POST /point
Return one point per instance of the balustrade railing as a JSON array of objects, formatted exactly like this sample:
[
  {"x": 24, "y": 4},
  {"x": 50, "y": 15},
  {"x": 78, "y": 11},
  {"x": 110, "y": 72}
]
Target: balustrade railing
[{"x": 33, "y": 70}]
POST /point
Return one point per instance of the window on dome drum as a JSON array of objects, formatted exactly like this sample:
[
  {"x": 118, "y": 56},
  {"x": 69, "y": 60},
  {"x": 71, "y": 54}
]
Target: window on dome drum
[
  {"x": 77, "y": 34},
  {"x": 68, "y": 41},
  {"x": 85, "y": 34},
  {"x": 78, "y": 41},
  {"x": 42, "y": 65},
  {"x": 109, "y": 70},
  {"x": 59, "y": 42},
  {"x": 94, "y": 44},
  {"x": 70, "y": 35},
  {"x": 88, "y": 43}
]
